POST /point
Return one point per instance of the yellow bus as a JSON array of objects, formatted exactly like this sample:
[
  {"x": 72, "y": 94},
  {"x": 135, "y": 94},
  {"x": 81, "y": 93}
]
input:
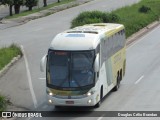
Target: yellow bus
[{"x": 85, "y": 63}]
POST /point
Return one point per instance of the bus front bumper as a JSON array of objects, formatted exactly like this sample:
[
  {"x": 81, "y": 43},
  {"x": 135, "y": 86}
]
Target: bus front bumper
[{"x": 85, "y": 101}]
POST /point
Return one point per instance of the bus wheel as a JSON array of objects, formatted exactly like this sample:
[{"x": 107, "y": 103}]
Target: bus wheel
[
  {"x": 118, "y": 84},
  {"x": 101, "y": 96}
]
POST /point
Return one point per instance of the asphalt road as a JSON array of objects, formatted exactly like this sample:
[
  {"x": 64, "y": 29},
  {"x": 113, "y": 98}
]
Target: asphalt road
[
  {"x": 25, "y": 86},
  {"x": 35, "y": 37}
]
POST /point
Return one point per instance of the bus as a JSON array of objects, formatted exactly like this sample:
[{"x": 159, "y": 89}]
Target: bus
[{"x": 85, "y": 63}]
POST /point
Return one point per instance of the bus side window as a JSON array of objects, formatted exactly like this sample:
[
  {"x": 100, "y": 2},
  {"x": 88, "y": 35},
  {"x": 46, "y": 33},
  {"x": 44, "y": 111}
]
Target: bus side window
[{"x": 102, "y": 50}]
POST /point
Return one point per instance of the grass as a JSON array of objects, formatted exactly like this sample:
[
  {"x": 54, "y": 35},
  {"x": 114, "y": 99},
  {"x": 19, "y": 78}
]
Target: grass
[
  {"x": 7, "y": 54},
  {"x": 135, "y": 20},
  {"x": 25, "y": 13},
  {"x": 130, "y": 16},
  {"x": 3, "y": 103}
]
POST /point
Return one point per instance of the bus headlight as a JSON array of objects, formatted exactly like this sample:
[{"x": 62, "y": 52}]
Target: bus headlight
[
  {"x": 89, "y": 101},
  {"x": 90, "y": 93},
  {"x": 50, "y": 101},
  {"x": 49, "y": 92}
]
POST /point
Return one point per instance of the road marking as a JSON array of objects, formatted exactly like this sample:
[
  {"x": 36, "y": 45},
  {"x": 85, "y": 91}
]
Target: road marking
[
  {"x": 101, "y": 117},
  {"x": 29, "y": 78},
  {"x": 139, "y": 79},
  {"x": 28, "y": 118},
  {"x": 42, "y": 78},
  {"x": 37, "y": 29}
]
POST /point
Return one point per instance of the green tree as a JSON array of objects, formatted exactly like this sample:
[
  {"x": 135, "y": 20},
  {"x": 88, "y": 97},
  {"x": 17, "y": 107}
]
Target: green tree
[
  {"x": 15, "y": 3},
  {"x": 59, "y": 1},
  {"x": 31, "y": 3},
  {"x": 10, "y": 3}
]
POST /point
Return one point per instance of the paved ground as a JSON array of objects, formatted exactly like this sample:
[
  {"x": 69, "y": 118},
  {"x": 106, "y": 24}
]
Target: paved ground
[{"x": 139, "y": 90}]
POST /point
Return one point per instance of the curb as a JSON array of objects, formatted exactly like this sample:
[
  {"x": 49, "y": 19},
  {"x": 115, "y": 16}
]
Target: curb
[
  {"x": 3, "y": 71},
  {"x": 133, "y": 38},
  {"x": 6, "y": 68},
  {"x": 9, "y": 118}
]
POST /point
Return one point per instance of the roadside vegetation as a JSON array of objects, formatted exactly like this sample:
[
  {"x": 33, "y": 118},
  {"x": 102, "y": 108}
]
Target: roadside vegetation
[
  {"x": 3, "y": 103},
  {"x": 94, "y": 17},
  {"x": 30, "y": 4},
  {"x": 133, "y": 17},
  {"x": 7, "y": 54}
]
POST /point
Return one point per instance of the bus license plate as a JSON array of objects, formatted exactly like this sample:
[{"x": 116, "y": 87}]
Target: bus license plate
[{"x": 69, "y": 102}]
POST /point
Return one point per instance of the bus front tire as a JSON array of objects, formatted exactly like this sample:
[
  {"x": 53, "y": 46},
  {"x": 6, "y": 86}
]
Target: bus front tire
[
  {"x": 57, "y": 107},
  {"x": 98, "y": 104},
  {"x": 101, "y": 96}
]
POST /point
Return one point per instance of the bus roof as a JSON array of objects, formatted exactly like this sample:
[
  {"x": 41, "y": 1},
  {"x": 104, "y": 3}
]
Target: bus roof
[{"x": 85, "y": 37}]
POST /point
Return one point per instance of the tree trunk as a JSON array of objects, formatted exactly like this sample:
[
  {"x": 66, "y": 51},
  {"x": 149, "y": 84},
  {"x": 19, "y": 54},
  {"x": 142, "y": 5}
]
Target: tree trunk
[
  {"x": 45, "y": 3},
  {"x": 58, "y": 1},
  {"x": 17, "y": 9},
  {"x": 10, "y": 10},
  {"x": 30, "y": 8}
]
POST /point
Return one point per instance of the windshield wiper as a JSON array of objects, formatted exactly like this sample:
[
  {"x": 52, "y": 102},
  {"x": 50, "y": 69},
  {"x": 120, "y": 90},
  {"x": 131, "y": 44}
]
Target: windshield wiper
[{"x": 78, "y": 84}]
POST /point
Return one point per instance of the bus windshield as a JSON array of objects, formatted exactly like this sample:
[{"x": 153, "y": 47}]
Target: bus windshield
[{"x": 70, "y": 69}]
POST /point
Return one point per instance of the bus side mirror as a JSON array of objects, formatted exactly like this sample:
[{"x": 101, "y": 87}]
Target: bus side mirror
[
  {"x": 96, "y": 64},
  {"x": 42, "y": 63}
]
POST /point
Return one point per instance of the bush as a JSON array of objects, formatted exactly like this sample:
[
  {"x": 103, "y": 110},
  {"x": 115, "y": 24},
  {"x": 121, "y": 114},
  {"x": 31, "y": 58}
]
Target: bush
[
  {"x": 144, "y": 9},
  {"x": 31, "y": 3},
  {"x": 110, "y": 18},
  {"x": 3, "y": 103},
  {"x": 89, "y": 17}
]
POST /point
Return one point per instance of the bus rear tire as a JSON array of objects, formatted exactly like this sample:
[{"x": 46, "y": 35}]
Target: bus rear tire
[{"x": 118, "y": 84}]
